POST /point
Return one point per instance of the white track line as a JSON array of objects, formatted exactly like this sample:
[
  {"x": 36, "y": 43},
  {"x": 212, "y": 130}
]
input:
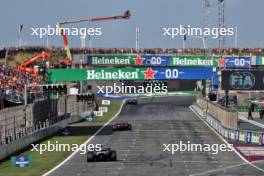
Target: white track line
[
  {"x": 246, "y": 161},
  {"x": 219, "y": 169},
  {"x": 87, "y": 141}
]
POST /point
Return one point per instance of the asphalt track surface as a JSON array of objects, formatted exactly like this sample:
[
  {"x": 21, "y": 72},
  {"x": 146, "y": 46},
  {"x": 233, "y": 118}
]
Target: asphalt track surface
[{"x": 158, "y": 121}]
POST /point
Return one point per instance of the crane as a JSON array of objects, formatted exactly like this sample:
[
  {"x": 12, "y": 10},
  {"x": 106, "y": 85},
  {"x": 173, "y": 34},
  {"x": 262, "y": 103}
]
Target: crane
[
  {"x": 24, "y": 66},
  {"x": 126, "y": 15}
]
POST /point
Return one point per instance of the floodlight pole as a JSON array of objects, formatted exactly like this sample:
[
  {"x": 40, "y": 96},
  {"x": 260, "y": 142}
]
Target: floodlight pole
[
  {"x": 236, "y": 38},
  {"x": 137, "y": 39}
]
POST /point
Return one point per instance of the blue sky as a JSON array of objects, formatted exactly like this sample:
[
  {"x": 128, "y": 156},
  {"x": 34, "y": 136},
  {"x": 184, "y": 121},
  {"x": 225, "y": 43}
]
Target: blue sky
[{"x": 149, "y": 15}]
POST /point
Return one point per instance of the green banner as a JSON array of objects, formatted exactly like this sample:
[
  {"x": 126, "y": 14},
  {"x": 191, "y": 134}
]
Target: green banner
[
  {"x": 194, "y": 61},
  {"x": 96, "y": 74},
  {"x": 139, "y": 73}
]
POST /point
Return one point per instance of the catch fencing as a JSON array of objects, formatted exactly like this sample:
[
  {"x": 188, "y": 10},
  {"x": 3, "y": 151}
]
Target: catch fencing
[{"x": 20, "y": 121}]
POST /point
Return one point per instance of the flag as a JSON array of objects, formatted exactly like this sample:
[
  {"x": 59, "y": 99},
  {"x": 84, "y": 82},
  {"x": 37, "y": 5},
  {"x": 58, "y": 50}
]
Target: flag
[
  {"x": 185, "y": 37},
  {"x": 20, "y": 28},
  {"x": 2, "y": 53}
]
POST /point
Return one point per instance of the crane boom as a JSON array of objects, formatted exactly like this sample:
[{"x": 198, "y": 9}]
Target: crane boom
[
  {"x": 126, "y": 15},
  {"x": 24, "y": 65}
]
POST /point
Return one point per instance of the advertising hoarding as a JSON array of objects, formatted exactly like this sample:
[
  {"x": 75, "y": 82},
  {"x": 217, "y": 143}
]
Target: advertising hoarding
[
  {"x": 140, "y": 73},
  {"x": 152, "y": 60},
  {"x": 243, "y": 80}
]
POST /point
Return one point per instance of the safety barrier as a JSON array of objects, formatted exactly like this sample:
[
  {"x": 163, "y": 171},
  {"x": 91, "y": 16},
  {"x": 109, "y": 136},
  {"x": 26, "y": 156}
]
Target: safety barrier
[
  {"x": 236, "y": 135},
  {"x": 25, "y": 141},
  {"x": 227, "y": 117},
  {"x": 17, "y": 122}
]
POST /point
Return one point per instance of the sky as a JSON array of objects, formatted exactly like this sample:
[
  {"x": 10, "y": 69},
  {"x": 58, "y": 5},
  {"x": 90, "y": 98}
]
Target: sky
[{"x": 151, "y": 16}]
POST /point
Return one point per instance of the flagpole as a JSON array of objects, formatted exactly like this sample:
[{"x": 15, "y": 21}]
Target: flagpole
[
  {"x": 83, "y": 42},
  {"x": 90, "y": 41},
  {"x": 183, "y": 43},
  {"x": 236, "y": 38},
  {"x": 47, "y": 41},
  {"x": 19, "y": 40},
  {"x": 19, "y": 35},
  {"x": 137, "y": 39},
  {"x": 6, "y": 57},
  {"x": 184, "y": 38}
]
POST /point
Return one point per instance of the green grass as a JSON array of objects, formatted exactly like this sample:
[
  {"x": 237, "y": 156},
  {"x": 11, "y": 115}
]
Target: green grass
[
  {"x": 175, "y": 93},
  {"x": 46, "y": 161},
  {"x": 112, "y": 109}
]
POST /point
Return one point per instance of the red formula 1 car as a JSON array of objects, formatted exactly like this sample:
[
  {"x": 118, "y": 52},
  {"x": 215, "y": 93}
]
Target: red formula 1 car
[{"x": 121, "y": 126}]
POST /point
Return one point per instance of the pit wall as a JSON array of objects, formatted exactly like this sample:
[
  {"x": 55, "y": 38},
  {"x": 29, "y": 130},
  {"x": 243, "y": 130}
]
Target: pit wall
[
  {"x": 226, "y": 116},
  {"x": 218, "y": 122}
]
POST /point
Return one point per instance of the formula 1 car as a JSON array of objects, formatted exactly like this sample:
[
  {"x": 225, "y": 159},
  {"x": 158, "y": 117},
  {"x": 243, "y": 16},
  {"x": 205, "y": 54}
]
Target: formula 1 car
[
  {"x": 66, "y": 132},
  {"x": 132, "y": 101},
  {"x": 121, "y": 126},
  {"x": 105, "y": 154}
]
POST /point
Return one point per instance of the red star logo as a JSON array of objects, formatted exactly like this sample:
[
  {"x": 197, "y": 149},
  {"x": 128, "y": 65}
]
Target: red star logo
[
  {"x": 139, "y": 60},
  {"x": 221, "y": 62},
  {"x": 149, "y": 73}
]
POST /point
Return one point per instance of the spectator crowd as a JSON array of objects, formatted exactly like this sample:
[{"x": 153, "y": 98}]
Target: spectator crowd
[
  {"x": 12, "y": 82},
  {"x": 178, "y": 51}
]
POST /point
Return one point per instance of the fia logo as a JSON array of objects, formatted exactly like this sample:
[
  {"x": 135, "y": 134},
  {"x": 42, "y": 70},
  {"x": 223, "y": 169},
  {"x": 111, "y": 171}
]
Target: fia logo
[{"x": 242, "y": 80}]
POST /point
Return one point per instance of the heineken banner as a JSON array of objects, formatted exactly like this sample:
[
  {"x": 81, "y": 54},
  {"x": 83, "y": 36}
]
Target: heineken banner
[
  {"x": 152, "y": 60},
  {"x": 142, "y": 73},
  {"x": 111, "y": 59},
  {"x": 194, "y": 61}
]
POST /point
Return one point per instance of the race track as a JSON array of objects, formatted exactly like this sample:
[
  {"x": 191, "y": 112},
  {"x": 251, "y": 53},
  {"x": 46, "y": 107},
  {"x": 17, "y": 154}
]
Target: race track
[{"x": 158, "y": 121}]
